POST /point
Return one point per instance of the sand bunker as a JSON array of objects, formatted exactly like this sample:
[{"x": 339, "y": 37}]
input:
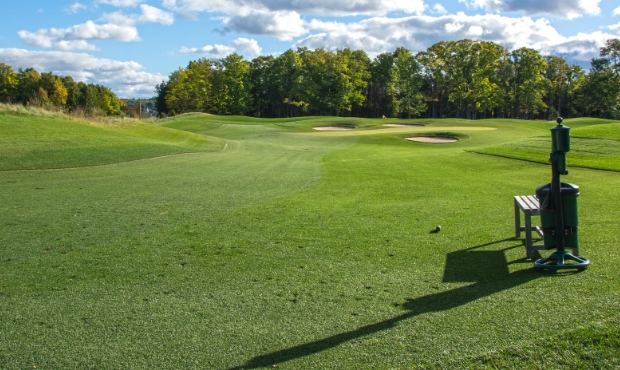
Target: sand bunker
[
  {"x": 433, "y": 139},
  {"x": 402, "y": 125},
  {"x": 332, "y": 128}
]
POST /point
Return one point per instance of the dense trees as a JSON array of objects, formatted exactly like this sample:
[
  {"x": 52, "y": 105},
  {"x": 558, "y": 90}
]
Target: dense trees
[
  {"x": 599, "y": 93},
  {"x": 29, "y": 87},
  {"x": 8, "y": 82},
  {"x": 528, "y": 83},
  {"x": 464, "y": 79},
  {"x": 562, "y": 81}
]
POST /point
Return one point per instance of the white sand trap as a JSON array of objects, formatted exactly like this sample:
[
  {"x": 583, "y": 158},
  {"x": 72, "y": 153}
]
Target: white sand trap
[
  {"x": 433, "y": 139},
  {"x": 402, "y": 125},
  {"x": 332, "y": 128}
]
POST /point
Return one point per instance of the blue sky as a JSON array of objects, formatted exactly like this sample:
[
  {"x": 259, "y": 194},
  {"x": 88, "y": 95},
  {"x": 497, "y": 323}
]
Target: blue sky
[{"x": 132, "y": 45}]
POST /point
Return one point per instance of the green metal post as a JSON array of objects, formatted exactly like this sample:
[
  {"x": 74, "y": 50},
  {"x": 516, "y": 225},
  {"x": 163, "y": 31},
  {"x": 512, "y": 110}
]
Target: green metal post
[{"x": 560, "y": 145}]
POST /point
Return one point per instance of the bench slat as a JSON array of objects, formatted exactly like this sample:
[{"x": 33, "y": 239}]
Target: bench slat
[
  {"x": 527, "y": 204},
  {"x": 533, "y": 204},
  {"x": 534, "y": 201}
]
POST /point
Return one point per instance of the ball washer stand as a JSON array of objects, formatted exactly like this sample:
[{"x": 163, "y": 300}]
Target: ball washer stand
[{"x": 560, "y": 144}]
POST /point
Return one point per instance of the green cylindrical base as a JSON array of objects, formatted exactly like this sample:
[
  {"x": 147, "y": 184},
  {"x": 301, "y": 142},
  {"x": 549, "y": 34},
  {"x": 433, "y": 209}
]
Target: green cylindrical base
[{"x": 569, "y": 192}]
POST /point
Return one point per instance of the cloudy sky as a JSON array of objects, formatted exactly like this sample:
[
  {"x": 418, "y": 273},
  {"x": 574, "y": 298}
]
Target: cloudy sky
[{"x": 132, "y": 45}]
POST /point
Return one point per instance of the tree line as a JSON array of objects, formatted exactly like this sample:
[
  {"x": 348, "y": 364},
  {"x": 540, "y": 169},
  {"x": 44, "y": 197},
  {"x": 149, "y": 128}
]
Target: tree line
[
  {"x": 29, "y": 87},
  {"x": 460, "y": 79}
]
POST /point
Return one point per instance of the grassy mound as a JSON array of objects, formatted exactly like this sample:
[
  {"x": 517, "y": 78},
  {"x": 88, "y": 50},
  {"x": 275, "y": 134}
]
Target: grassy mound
[
  {"x": 594, "y": 144},
  {"x": 36, "y": 142},
  {"x": 608, "y": 131}
]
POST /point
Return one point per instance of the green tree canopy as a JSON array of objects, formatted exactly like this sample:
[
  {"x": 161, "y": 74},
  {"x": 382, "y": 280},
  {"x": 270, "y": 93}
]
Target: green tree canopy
[
  {"x": 8, "y": 83},
  {"x": 462, "y": 78}
]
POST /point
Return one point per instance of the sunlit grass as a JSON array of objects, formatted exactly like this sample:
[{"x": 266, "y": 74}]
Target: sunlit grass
[
  {"x": 293, "y": 248},
  {"x": 41, "y": 142},
  {"x": 592, "y": 146}
]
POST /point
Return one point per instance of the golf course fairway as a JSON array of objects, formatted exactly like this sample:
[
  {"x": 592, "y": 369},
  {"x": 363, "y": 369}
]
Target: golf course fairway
[{"x": 212, "y": 242}]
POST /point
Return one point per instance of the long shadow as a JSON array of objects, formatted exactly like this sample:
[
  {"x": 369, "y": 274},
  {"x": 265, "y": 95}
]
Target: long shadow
[{"x": 487, "y": 269}]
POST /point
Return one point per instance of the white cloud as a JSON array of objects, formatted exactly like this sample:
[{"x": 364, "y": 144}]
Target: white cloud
[
  {"x": 492, "y": 5},
  {"x": 170, "y": 4},
  {"x": 283, "y": 25},
  {"x": 45, "y": 39},
  {"x": 249, "y": 46},
  {"x": 126, "y": 79},
  {"x": 51, "y": 39},
  {"x": 570, "y": 9},
  {"x": 149, "y": 14},
  {"x": 475, "y": 31},
  {"x": 439, "y": 9},
  {"x": 319, "y": 7},
  {"x": 615, "y": 27},
  {"x": 283, "y": 18},
  {"x": 119, "y": 18},
  {"x": 617, "y": 11},
  {"x": 155, "y": 15},
  {"x": 75, "y": 7},
  {"x": 121, "y": 3},
  {"x": 74, "y": 38},
  {"x": 92, "y": 31},
  {"x": 417, "y": 33},
  {"x": 580, "y": 48},
  {"x": 241, "y": 44},
  {"x": 453, "y": 27},
  {"x": 217, "y": 50}
]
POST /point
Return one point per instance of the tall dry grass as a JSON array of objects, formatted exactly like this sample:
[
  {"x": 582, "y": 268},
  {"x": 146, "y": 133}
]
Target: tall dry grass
[{"x": 80, "y": 115}]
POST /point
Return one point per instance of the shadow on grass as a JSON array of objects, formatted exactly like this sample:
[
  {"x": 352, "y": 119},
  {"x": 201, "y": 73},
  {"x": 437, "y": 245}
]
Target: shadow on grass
[{"x": 488, "y": 270}]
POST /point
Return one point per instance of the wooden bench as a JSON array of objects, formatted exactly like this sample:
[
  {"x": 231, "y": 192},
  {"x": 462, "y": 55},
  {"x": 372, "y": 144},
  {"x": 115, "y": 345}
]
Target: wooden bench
[{"x": 528, "y": 204}]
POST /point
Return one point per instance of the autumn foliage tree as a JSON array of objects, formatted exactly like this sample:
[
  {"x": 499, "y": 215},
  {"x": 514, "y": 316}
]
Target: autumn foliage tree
[{"x": 29, "y": 87}]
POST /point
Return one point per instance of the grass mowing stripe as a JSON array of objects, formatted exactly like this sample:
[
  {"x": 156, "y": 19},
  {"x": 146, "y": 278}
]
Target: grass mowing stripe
[
  {"x": 593, "y": 145},
  {"x": 600, "y": 154}
]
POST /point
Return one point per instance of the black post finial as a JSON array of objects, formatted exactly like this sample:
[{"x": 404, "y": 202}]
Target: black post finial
[{"x": 559, "y": 120}]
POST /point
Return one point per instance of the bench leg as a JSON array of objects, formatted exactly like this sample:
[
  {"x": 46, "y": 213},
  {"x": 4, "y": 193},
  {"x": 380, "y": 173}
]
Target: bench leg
[
  {"x": 517, "y": 220},
  {"x": 528, "y": 235}
]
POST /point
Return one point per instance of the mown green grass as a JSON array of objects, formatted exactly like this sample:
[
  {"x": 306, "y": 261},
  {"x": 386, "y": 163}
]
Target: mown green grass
[
  {"x": 302, "y": 249},
  {"x": 593, "y": 347},
  {"x": 197, "y": 122},
  {"x": 608, "y": 131},
  {"x": 594, "y": 144},
  {"x": 38, "y": 142}
]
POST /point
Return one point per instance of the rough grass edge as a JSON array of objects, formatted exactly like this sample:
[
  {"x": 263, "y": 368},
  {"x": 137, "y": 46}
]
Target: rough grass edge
[{"x": 78, "y": 115}]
